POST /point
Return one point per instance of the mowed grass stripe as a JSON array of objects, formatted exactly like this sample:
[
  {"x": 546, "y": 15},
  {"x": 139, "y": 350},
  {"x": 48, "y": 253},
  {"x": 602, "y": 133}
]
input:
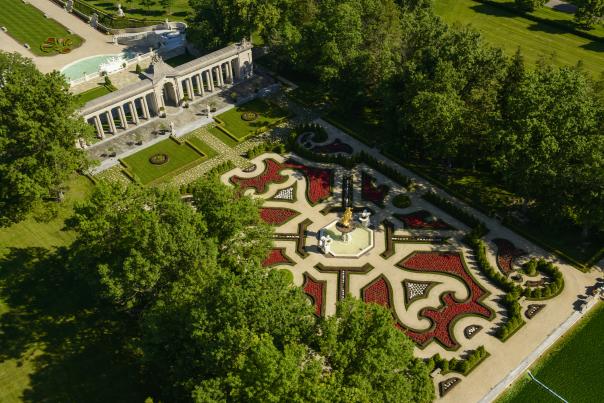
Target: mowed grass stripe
[
  {"x": 509, "y": 31},
  {"x": 27, "y": 24},
  {"x": 572, "y": 368}
]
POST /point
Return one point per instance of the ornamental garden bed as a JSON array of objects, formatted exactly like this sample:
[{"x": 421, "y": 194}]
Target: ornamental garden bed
[
  {"x": 277, "y": 216},
  {"x": 27, "y": 24},
  {"x": 506, "y": 254},
  {"x": 251, "y": 118},
  {"x": 180, "y": 157},
  {"x": 422, "y": 219},
  {"x": 372, "y": 192}
]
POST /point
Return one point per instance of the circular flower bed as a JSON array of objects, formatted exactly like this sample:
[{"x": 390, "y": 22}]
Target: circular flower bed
[
  {"x": 158, "y": 159},
  {"x": 249, "y": 116}
]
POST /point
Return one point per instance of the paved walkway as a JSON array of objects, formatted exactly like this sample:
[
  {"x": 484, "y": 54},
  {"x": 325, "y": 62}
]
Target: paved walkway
[{"x": 95, "y": 43}]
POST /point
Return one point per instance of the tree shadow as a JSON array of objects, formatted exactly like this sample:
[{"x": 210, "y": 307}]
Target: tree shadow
[
  {"x": 75, "y": 346},
  {"x": 594, "y": 46}
]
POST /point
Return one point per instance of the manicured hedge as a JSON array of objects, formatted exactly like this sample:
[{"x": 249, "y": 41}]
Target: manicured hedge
[
  {"x": 479, "y": 229},
  {"x": 463, "y": 366}
]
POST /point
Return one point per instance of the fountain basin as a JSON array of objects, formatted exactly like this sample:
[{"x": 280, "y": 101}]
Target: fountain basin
[{"x": 361, "y": 241}]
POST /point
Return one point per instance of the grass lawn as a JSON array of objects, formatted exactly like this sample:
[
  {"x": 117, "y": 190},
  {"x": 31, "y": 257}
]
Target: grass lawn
[
  {"x": 572, "y": 368},
  {"x": 180, "y": 59},
  {"x": 93, "y": 93},
  {"x": 508, "y": 30},
  {"x": 31, "y": 233},
  {"x": 27, "y": 24},
  {"x": 267, "y": 114},
  {"x": 134, "y": 9},
  {"x": 180, "y": 158},
  {"x": 222, "y": 136}
]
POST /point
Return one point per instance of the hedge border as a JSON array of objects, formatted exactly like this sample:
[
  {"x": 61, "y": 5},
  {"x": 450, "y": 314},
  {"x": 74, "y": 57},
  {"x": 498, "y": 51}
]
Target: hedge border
[{"x": 306, "y": 275}]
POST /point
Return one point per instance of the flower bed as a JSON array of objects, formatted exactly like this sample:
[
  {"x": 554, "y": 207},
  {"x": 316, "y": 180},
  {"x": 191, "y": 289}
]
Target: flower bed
[
  {"x": 316, "y": 291},
  {"x": 377, "y": 292},
  {"x": 158, "y": 159},
  {"x": 421, "y": 220},
  {"x": 318, "y": 181},
  {"x": 506, "y": 253},
  {"x": 271, "y": 174},
  {"x": 276, "y": 257},
  {"x": 371, "y": 192},
  {"x": 277, "y": 215},
  {"x": 451, "y": 309},
  {"x": 334, "y": 147}
]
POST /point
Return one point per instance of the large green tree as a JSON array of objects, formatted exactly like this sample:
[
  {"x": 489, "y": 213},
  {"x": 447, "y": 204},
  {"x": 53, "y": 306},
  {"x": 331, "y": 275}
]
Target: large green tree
[
  {"x": 589, "y": 12},
  {"x": 38, "y": 134}
]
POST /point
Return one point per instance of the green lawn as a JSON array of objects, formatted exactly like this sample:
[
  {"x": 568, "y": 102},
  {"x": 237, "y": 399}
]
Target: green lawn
[
  {"x": 572, "y": 368},
  {"x": 93, "y": 93},
  {"x": 27, "y": 24},
  {"x": 180, "y": 59},
  {"x": 267, "y": 114},
  {"x": 134, "y": 9},
  {"x": 508, "y": 30},
  {"x": 222, "y": 136},
  {"x": 180, "y": 158},
  {"x": 31, "y": 233}
]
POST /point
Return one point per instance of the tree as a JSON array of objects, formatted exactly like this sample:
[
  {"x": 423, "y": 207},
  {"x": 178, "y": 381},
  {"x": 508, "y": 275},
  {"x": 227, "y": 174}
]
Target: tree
[
  {"x": 134, "y": 243},
  {"x": 369, "y": 358},
  {"x": 529, "y": 5},
  {"x": 38, "y": 133},
  {"x": 589, "y": 12},
  {"x": 232, "y": 221}
]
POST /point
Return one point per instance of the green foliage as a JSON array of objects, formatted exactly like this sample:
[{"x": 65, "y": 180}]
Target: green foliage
[
  {"x": 139, "y": 69},
  {"x": 589, "y": 12},
  {"x": 529, "y": 5},
  {"x": 38, "y": 132},
  {"x": 401, "y": 201},
  {"x": 479, "y": 229},
  {"x": 530, "y": 267},
  {"x": 369, "y": 358},
  {"x": 276, "y": 147}
]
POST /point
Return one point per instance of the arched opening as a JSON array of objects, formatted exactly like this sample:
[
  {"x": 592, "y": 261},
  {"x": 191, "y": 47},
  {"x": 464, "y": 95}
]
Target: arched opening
[{"x": 169, "y": 94}]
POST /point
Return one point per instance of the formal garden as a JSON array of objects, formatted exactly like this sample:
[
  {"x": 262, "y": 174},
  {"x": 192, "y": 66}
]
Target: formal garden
[
  {"x": 427, "y": 260},
  {"x": 28, "y": 25},
  {"x": 251, "y": 118},
  {"x": 165, "y": 159}
]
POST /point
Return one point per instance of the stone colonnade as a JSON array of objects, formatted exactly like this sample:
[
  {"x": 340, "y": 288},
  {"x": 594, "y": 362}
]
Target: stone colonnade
[{"x": 164, "y": 86}]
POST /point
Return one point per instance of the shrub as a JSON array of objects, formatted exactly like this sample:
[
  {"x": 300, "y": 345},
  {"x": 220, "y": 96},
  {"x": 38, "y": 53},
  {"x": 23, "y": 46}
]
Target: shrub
[
  {"x": 530, "y": 267},
  {"x": 401, "y": 201},
  {"x": 479, "y": 229},
  {"x": 108, "y": 81},
  {"x": 138, "y": 69}
]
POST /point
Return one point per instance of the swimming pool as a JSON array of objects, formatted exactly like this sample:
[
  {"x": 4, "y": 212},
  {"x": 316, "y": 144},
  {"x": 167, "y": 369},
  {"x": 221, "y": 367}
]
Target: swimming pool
[{"x": 89, "y": 65}]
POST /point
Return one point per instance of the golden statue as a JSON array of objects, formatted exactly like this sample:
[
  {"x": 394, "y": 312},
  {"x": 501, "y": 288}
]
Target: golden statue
[{"x": 346, "y": 218}]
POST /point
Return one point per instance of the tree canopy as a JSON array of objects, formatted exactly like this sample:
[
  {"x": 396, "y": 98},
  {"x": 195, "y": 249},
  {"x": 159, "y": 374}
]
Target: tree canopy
[
  {"x": 213, "y": 324},
  {"x": 38, "y": 133}
]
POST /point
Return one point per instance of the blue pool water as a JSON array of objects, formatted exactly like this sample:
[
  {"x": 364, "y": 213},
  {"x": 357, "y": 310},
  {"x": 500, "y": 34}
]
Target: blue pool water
[{"x": 90, "y": 65}]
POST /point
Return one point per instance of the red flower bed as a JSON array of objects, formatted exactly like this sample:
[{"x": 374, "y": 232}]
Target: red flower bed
[
  {"x": 315, "y": 290},
  {"x": 372, "y": 193},
  {"x": 271, "y": 174},
  {"x": 506, "y": 253},
  {"x": 318, "y": 186},
  {"x": 276, "y": 256},
  {"x": 444, "y": 317},
  {"x": 419, "y": 220},
  {"x": 377, "y": 292},
  {"x": 277, "y": 215},
  {"x": 334, "y": 147}
]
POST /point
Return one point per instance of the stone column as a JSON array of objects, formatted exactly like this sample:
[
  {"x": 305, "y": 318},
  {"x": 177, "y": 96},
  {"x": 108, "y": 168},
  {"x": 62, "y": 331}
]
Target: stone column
[
  {"x": 134, "y": 112},
  {"x": 99, "y": 127},
  {"x": 230, "y": 72},
  {"x": 146, "y": 114},
  {"x": 111, "y": 122},
  {"x": 210, "y": 76},
  {"x": 200, "y": 81},
  {"x": 122, "y": 114},
  {"x": 190, "y": 88},
  {"x": 220, "y": 77}
]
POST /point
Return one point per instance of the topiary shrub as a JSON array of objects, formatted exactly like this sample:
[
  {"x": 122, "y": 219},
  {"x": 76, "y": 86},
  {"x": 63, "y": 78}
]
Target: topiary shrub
[
  {"x": 249, "y": 116},
  {"x": 401, "y": 201},
  {"x": 158, "y": 159}
]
